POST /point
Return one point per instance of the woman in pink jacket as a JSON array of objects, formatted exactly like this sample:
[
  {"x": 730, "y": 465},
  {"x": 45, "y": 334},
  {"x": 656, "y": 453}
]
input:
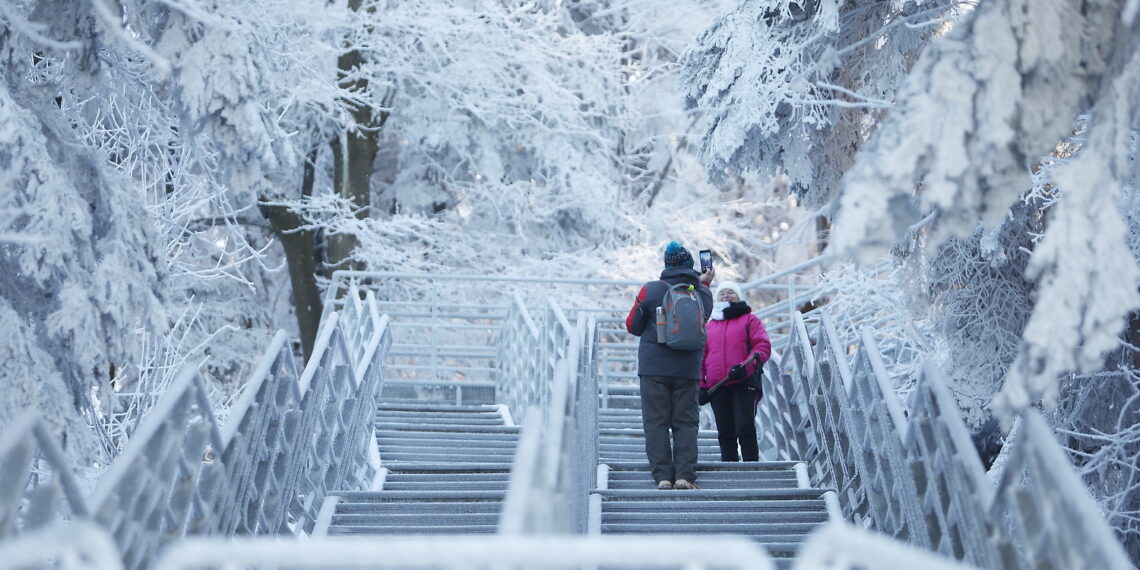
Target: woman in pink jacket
[{"x": 734, "y": 336}]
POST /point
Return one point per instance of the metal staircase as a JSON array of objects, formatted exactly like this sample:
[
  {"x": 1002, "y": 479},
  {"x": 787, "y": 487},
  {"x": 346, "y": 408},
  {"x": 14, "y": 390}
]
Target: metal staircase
[
  {"x": 309, "y": 453},
  {"x": 770, "y": 502},
  {"x": 445, "y": 471}
]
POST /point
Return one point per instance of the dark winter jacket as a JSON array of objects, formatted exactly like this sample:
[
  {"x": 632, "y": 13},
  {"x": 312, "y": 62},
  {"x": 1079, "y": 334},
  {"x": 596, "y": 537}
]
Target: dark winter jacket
[
  {"x": 730, "y": 342},
  {"x": 653, "y": 358}
]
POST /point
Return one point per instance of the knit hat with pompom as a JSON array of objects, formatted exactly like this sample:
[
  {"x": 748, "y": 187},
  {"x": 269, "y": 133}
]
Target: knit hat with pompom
[{"x": 677, "y": 256}]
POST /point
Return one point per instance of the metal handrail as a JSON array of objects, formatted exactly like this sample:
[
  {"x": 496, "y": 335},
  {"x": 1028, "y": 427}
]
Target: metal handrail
[
  {"x": 288, "y": 439},
  {"x": 464, "y": 552},
  {"x": 917, "y": 477},
  {"x": 545, "y": 493},
  {"x": 292, "y": 437}
]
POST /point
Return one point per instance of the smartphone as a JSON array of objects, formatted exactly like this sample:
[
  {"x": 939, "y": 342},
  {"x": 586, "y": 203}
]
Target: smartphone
[{"x": 706, "y": 260}]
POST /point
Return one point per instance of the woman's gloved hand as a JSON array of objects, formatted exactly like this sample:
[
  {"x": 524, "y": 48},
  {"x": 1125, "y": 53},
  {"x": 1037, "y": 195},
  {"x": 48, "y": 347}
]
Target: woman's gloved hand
[
  {"x": 703, "y": 396},
  {"x": 737, "y": 372}
]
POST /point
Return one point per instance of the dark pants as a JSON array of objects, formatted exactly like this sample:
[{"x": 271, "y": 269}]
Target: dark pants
[
  {"x": 669, "y": 404},
  {"x": 735, "y": 410}
]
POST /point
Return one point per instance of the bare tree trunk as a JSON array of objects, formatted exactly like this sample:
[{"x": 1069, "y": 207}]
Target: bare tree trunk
[
  {"x": 301, "y": 257},
  {"x": 1132, "y": 337},
  {"x": 353, "y": 155},
  {"x": 822, "y": 234}
]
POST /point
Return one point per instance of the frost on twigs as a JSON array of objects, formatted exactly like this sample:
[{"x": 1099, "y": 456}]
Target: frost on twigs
[
  {"x": 866, "y": 297},
  {"x": 1087, "y": 278},
  {"x": 977, "y": 111},
  {"x": 1085, "y": 265},
  {"x": 796, "y": 86},
  {"x": 979, "y": 107}
]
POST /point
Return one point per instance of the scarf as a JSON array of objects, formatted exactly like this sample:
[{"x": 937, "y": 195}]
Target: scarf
[{"x": 725, "y": 311}]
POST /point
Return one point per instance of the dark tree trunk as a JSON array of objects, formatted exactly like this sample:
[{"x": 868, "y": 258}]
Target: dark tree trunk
[
  {"x": 822, "y": 234},
  {"x": 302, "y": 262},
  {"x": 301, "y": 257},
  {"x": 352, "y": 180},
  {"x": 353, "y": 155},
  {"x": 1132, "y": 337}
]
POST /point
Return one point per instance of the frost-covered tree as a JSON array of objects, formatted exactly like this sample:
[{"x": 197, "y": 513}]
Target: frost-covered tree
[
  {"x": 951, "y": 165},
  {"x": 86, "y": 275},
  {"x": 549, "y": 128},
  {"x": 203, "y": 155},
  {"x": 141, "y": 128},
  {"x": 1021, "y": 267},
  {"x": 1000, "y": 88},
  {"x": 795, "y": 87}
]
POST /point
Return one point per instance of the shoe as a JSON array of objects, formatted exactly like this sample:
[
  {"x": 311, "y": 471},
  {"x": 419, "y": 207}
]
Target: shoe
[
  {"x": 664, "y": 486},
  {"x": 684, "y": 485}
]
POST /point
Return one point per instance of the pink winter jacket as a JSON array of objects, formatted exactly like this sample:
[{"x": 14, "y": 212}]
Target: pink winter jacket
[{"x": 730, "y": 342}]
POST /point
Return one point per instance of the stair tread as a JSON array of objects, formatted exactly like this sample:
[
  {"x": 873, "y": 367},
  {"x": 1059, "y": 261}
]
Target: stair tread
[
  {"x": 710, "y": 466},
  {"x": 384, "y": 496},
  {"x": 427, "y": 405},
  {"x": 707, "y": 494}
]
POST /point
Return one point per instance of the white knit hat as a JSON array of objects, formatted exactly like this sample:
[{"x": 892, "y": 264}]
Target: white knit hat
[{"x": 730, "y": 285}]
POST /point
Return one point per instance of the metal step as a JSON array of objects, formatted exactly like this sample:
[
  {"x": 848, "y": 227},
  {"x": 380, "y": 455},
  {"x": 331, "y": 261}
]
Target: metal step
[
  {"x": 759, "y": 500},
  {"x": 427, "y": 528},
  {"x": 447, "y": 427},
  {"x": 448, "y": 468},
  {"x": 778, "y": 466},
  {"x": 708, "y": 495},
  {"x": 744, "y": 515},
  {"x": 438, "y": 437},
  {"x": 435, "y": 407},
  {"x": 724, "y": 525},
  {"x": 397, "y": 508},
  {"x": 445, "y": 457},
  {"x": 413, "y": 424},
  {"x": 727, "y": 506}
]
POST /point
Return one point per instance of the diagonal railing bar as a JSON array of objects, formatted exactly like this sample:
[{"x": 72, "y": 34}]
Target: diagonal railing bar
[
  {"x": 340, "y": 391},
  {"x": 876, "y": 426},
  {"x": 150, "y": 493},
  {"x": 918, "y": 478},
  {"x": 837, "y": 465},
  {"x": 561, "y": 352},
  {"x": 783, "y": 433},
  {"x": 37, "y": 494},
  {"x": 519, "y": 361},
  {"x": 36, "y": 484},
  {"x": 546, "y": 493},
  {"x": 518, "y": 511},
  {"x": 950, "y": 481},
  {"x": 80, "y": 545},
  {"x": 1043, "y": 514},
  {"x": 288, "y": 440},
  {"x": 839, "y": 546},
  {"x": 465, "y": 553},
  {"x": 256, "y": 435}
]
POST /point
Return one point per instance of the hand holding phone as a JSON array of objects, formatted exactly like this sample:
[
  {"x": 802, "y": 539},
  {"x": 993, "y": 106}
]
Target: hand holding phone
[{"x": 706, "y": 260}]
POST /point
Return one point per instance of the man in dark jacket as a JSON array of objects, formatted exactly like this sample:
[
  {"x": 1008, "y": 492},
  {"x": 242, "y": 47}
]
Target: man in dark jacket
[{"x": 669, "y": 378}]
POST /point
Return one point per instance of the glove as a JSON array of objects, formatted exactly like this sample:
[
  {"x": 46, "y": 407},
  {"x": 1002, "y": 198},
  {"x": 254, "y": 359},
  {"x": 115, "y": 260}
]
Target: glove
[
  {"x": 737, "y": 372},
  {"x": 703, "y": 396}
]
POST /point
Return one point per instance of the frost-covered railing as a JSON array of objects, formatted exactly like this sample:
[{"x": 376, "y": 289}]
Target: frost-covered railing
[
  {"x": 547, "y": 369},
  {"x": 521, "y": 361},
  {"x": 442, "y": 341},
  {"x": 288, "y": 440},
  {"x": 36, "y": 491},
  {"x": 919, "y": 478},
  {"x": 339, "y": 388},
  {"x": 446, "y": 326},
  {"x": 465, "y": 552}
]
